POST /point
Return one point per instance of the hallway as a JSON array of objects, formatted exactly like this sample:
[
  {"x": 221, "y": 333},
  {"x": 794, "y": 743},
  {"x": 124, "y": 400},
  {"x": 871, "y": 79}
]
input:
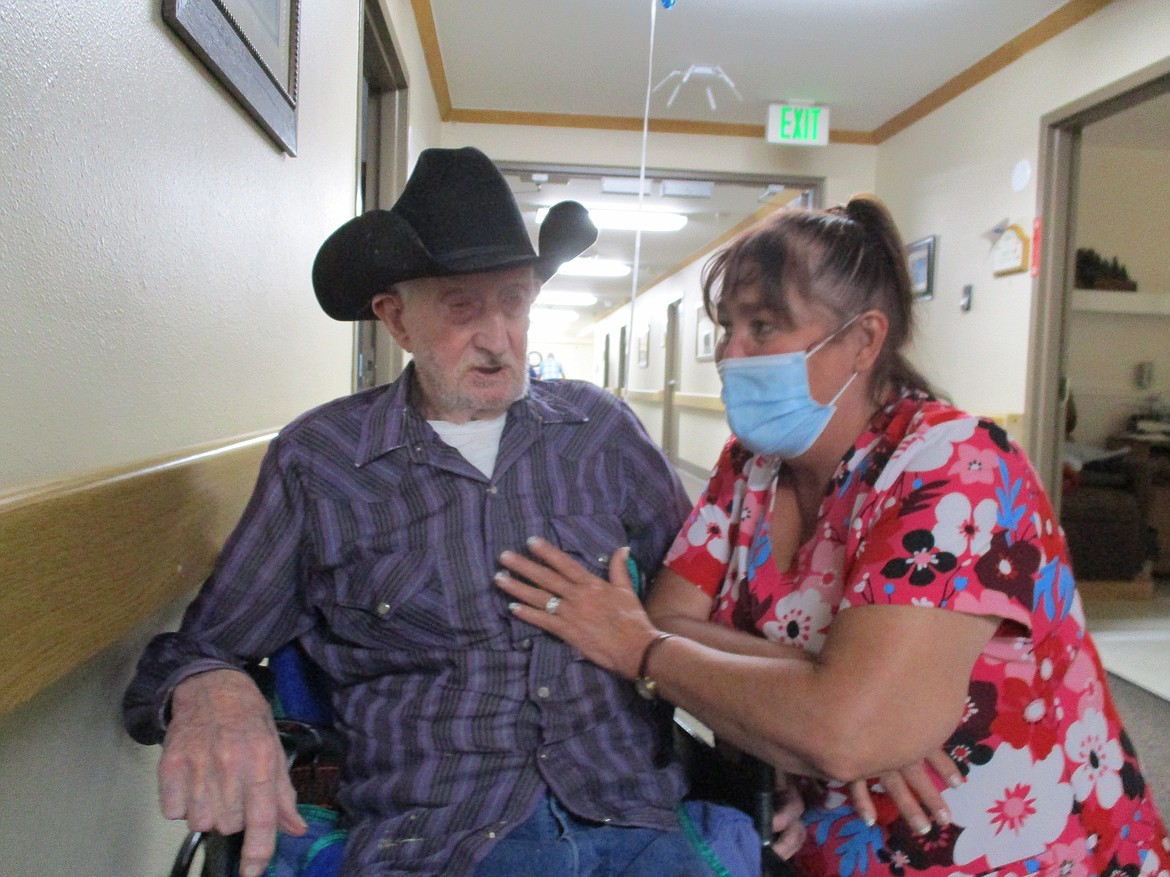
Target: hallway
[{"x": 1133, "y": 637}]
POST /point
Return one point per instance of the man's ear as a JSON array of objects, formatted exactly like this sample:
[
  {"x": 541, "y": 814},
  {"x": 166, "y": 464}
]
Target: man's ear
[
  {"x": 388, "y": 308},
  {"x": 874, "y": 326}
]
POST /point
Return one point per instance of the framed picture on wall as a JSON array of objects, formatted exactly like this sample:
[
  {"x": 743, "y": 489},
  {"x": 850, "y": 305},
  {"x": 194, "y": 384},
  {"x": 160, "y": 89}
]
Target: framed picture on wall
[
  {"x": 253, "y": 49},
  {"x": 644, "y": 348},
  {"x": 705, "y": 336},
  {"x": 920, "y": 256}
]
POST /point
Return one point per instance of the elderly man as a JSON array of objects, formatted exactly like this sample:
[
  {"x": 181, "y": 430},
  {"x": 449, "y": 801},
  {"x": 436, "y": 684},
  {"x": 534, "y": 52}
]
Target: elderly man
[{"x": 476, "y": 743}]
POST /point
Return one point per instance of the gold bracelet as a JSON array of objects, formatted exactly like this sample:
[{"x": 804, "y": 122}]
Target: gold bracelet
[{"x": 646, "y": 686}]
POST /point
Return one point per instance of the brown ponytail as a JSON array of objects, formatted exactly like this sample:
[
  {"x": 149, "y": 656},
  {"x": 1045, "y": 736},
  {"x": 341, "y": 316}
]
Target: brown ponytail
[{"x": 845, "y": 260}]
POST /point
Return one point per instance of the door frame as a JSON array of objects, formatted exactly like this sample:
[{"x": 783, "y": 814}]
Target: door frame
[
  {"x": 1060, "y": 141},
  {"x": 671, "y": 371},
  {"x": 381, "y": 172}
]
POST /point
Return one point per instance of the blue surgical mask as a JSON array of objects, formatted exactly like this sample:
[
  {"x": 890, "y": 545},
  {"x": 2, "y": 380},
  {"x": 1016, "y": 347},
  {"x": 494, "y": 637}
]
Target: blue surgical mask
[{"x": 769, "y": 406}]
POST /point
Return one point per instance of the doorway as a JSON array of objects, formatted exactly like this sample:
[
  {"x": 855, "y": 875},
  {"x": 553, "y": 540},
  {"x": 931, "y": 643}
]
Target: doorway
[
  {"x": 1107, "y": 349},
  {"x": 1059, "y": 172},
  {"x": 382, "y": 157}
]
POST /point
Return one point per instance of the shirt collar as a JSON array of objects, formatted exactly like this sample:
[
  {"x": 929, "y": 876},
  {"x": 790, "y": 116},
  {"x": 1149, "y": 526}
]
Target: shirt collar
[{"x": 393, "y": 421}]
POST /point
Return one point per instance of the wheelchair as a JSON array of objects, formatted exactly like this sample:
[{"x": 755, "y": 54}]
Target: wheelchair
[
  {"x": 314, "y": 752},
  {"x": 313, "y": 755}
]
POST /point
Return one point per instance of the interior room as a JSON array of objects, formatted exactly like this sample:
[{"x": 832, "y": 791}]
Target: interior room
[
  {"x": 1117, "y": 491},
  {"x": 163, "y": 205}
]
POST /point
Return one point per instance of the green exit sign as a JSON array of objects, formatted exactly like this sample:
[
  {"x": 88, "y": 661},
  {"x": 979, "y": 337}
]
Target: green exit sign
[{"x": 797, "y": 125}]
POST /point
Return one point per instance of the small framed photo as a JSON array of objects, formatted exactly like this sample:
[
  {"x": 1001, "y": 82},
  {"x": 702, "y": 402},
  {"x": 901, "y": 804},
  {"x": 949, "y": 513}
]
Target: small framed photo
[
  {"x": 644, "y": 348},
  {"x": 920, "y": 256},
  {"x": 705, "y": 336}
]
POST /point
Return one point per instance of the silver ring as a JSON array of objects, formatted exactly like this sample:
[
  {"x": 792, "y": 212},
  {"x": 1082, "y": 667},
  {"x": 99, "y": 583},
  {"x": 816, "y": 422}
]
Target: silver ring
[{"x": 552, "y": 605}]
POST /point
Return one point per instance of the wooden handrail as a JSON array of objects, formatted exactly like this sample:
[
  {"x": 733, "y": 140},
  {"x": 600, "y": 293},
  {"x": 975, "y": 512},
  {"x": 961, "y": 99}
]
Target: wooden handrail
[{"x": 85, "y": 561}]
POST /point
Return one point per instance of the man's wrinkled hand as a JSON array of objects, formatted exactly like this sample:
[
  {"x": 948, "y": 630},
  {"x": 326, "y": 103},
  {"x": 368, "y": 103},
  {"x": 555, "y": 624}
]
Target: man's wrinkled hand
[
  {"x": 787, "y": 826},
  {"x": 222, "y": 767}
]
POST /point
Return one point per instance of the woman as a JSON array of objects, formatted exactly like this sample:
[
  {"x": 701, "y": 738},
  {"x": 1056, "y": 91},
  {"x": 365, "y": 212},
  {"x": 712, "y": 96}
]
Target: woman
[{"x": 868, "y": 573}]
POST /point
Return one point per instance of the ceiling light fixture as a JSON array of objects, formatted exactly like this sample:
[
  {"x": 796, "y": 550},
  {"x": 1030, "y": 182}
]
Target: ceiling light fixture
[
  {"x": 588, "y": 266},
  {"x": 626, "y": 186},
  {"x": 566, "y": 298},
  {"x": 707, "y": 73},
  {"x": 629, "y": 220}
]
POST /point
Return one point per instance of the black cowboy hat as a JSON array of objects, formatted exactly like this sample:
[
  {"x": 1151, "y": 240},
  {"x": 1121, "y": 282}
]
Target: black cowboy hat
[{"x": 455, "y": 216}]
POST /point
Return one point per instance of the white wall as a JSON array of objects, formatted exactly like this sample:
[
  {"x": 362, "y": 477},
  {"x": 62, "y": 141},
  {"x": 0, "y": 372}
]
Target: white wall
[
  {"x": 1121, "y": 211},
  {"x": 154, "y": 278},
  {"x": 700, "y": 433},
  {"x": 950, "y": 175},
  {"x": 156, "y": 245}
]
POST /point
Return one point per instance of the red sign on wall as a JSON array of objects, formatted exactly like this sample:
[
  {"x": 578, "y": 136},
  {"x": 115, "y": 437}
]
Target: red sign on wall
[{"x": 1037, "y": 227}]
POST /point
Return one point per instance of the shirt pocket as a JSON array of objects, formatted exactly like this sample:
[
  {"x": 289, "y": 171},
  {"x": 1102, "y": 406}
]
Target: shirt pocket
[
  {"x": 390, "y": 601},
  {"x": 590, "y": 539}
]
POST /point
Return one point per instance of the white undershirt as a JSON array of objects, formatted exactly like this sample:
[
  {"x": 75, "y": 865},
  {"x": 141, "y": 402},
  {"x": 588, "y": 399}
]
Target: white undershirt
[{"x": 477, "y": 440}]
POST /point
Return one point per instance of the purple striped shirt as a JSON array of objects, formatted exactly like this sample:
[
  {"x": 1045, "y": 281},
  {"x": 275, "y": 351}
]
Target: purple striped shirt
[{"x": 374, "y": 544}]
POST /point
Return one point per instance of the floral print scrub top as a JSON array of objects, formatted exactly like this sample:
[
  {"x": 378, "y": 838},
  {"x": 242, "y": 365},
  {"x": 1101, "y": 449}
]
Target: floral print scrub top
[{"x": 934, "y": 507}]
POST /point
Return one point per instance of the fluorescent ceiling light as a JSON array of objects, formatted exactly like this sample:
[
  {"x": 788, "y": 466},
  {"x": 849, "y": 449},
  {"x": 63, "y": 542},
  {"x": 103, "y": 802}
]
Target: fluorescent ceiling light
[
  {"x": 629, "y": 220},
  {"x": 624, "y": 186},
  {"x": 687, "y": 188},
  {"x": 592, "y": 267},
  {"x": 566, "y": 298}
]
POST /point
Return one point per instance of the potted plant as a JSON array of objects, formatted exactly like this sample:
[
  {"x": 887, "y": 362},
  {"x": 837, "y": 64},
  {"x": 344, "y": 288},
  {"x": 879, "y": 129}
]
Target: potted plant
[{"x": 1094, "y": 271}]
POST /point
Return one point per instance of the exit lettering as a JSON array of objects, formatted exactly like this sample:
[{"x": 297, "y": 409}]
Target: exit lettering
[{"x": 799, "y": 123}]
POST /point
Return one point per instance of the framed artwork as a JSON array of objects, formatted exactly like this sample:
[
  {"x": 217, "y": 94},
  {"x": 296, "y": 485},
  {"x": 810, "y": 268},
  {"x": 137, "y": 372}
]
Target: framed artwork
[
  {"x": 705, "y": 336},
  {"x": 644, "y": 348},
  {"x": 252, "y": 47},
  {"x": 920, "y": 255},
  {"x": 1009, "y": 255}
]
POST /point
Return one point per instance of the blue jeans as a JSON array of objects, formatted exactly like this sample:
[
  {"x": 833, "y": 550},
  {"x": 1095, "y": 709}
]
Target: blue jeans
[{"x": 555, "y": 843}]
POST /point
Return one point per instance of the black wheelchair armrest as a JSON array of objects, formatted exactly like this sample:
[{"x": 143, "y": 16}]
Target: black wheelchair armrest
[{"x": 735, "y": 779}]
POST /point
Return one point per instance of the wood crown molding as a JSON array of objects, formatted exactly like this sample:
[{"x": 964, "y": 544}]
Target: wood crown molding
[{"x": 1056, "y": 23}]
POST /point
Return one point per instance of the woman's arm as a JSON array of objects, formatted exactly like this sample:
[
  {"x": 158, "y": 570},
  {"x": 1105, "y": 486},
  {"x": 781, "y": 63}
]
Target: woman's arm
[
  {"x": 881, "y": 692},
  {"x": 889, "y": 684},
  {"x": 678, "y": 606}
]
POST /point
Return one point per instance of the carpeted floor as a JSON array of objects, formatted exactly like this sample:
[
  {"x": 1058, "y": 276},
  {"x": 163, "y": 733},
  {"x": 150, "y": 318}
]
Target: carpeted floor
[{"x": 1147, "y": 719}]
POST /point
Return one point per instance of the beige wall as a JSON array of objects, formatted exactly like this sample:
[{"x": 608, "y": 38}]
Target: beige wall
[
  {"x": 1122, "y": 210},
  {"x": 950, "y": 175},
  {"x": 156, "y": 245},
  {"x": 154, "y": 274},
  {"x": 155, "y": 248},
  {"x": 701, "y": 433},
  {"x": 1122, "y": 198}
]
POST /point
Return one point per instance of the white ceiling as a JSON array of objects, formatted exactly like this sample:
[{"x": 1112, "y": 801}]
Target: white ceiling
[
  {"x": 867, "y": 60},
  {"x": 708, "y": 219}
]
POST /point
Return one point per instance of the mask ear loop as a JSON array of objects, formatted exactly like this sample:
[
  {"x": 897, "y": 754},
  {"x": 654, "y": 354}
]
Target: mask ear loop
[
  {"x": 833, "y": 335},
  {"x": 844, "y": 326},
  {"x": 841, "y": 392}
]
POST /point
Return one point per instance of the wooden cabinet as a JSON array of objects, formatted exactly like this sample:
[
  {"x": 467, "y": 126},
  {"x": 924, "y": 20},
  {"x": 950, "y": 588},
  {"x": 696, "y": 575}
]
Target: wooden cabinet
[{"x": 1153, "y": 450}]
